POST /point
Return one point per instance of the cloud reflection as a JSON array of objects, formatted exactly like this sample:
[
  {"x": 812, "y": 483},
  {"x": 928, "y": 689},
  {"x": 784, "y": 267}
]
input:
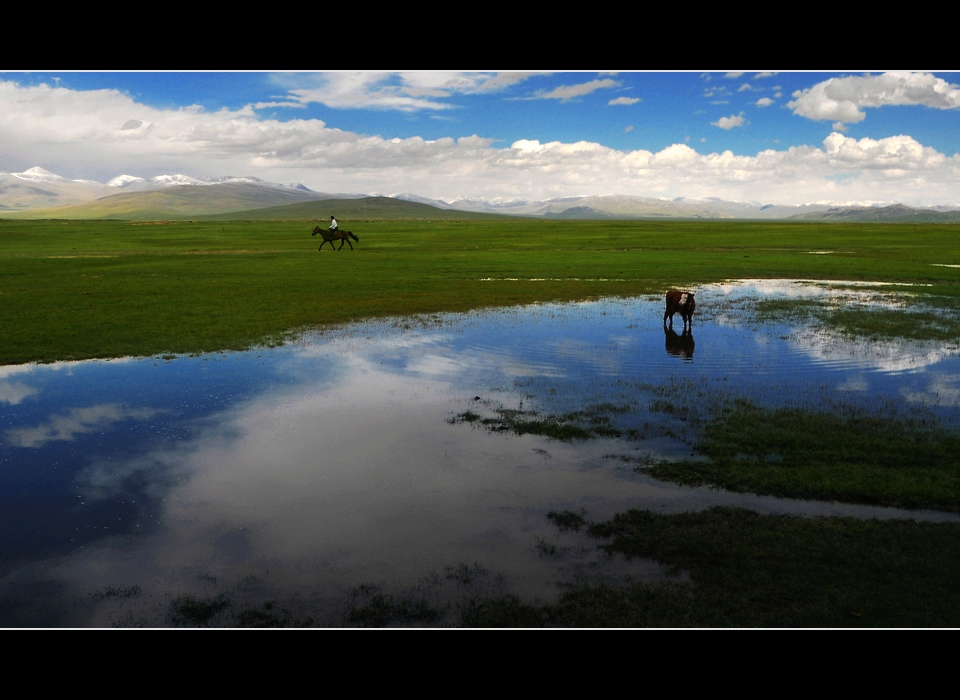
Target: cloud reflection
[{"x": 77, "y": 421}]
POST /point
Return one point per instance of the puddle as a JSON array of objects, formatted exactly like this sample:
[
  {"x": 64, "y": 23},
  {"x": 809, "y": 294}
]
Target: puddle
[{"x": 300, "y": 474}]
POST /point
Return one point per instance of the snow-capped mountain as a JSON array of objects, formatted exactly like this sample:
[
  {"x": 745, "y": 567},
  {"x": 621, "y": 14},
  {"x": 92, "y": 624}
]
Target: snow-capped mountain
[
  {"x": 131, "y": 183},
  {"x": 38, "y": 188},
  {"x": 38, "y": 174}
]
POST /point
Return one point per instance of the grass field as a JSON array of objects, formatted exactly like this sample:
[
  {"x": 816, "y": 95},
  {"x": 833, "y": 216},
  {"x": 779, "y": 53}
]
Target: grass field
[{"x": 92, "y": 289}]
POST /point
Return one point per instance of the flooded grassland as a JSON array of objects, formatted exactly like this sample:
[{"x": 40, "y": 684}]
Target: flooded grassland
[{"x": 555, "y": 464}]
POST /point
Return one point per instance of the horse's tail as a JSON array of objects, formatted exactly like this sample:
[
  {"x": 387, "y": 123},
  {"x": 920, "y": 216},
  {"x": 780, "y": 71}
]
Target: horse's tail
[{"x": 350, "y": 233}]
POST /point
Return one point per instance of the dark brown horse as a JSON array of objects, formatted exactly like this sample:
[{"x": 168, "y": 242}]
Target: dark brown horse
[
  {"x": 338, "y": 235},
  {"x": 681, "y": 303}
]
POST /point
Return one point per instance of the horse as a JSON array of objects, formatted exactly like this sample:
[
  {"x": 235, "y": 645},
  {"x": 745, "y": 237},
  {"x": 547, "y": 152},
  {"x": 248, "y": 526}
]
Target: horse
[
  {"x": 681, "y": 303},
  {"x": 331, "y": 236}
]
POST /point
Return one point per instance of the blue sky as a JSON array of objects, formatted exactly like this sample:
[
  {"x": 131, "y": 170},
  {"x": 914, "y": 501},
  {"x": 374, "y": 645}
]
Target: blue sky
[{"x": 772, "y": 137}]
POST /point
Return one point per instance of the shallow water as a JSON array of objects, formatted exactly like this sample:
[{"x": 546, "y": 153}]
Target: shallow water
[{"x": 301, "y": 473}]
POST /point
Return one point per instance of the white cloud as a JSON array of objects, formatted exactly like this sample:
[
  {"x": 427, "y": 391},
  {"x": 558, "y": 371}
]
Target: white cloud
[
  {"x": 624, "y": 101},
  {"x": 764, "y": 102},
  {"x": 100, "y": 134},
  {"x": 729, "y": 122},
  {"x": 565, "y": 93},
  {"x": 405, "y": 91},
  {"x": 843, "y": 99}
]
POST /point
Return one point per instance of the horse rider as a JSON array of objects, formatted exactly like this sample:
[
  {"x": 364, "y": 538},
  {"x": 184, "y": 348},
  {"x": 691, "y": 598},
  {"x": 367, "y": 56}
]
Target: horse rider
[{"x": 333, "y": 225}]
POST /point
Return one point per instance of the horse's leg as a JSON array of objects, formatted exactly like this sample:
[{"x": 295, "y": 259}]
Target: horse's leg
[
  {"x": 347, "y": 241},
  {"x": 341, "y": 244}
]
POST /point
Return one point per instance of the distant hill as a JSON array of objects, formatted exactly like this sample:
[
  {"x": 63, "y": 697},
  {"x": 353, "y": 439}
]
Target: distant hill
[
  {"x": 619, "y": 206},
  {"x": 352, "y": 209},
  {"x": 895, "y": 213},
  {"x": 580, "y": 213},
  {"x": 38, "y": 188},
  {"x": 37, "y": 193},
  {"x": 179, "y": 202}
]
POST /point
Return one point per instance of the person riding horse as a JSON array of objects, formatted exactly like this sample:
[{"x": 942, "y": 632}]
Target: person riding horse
[{"x": 335, "y": 233}]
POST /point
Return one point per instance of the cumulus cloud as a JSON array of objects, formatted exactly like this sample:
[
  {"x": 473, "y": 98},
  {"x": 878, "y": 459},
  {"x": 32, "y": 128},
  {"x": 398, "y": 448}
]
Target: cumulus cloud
[
  {"x": 99, "y": 134},
  {"x": 729, "y": 122},
  {"x": 764, "y": 102},
  {"x": 843, "y": 99},
  {"x": 624, "y": 101}
]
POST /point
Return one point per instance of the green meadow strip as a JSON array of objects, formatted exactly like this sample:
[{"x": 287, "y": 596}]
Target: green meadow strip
[{"x": 88, "y": 289}]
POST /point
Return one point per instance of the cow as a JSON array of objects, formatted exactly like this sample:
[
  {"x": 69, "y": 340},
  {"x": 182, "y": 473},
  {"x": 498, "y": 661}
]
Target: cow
[{"x": 681, "y": 303}]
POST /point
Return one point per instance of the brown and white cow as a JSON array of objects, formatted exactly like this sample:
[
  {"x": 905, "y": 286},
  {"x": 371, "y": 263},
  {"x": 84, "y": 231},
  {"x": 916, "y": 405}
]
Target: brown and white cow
[{"x": 681, "y": 303}]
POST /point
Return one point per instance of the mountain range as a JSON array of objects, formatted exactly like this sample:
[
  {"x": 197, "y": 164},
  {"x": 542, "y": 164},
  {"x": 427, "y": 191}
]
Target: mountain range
[{"x": 38, "y": 193}]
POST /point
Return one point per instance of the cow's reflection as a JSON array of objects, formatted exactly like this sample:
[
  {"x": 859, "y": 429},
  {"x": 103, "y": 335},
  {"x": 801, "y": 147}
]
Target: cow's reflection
[{"x": 679, "y": 345}]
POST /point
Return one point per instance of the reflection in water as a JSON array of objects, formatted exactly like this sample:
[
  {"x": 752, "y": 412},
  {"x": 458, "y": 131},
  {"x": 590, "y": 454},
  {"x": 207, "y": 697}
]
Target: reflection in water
[
  {"x": 680, "y": 345},
  {"x": 277, "y": 475}
]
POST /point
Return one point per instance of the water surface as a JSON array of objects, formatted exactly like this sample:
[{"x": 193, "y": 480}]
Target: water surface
[{"x": 301, "y": 473}]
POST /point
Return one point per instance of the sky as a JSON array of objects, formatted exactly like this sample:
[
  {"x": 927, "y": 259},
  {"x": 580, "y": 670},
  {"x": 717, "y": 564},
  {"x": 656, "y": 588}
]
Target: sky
[{"x": 752, "y": 136}]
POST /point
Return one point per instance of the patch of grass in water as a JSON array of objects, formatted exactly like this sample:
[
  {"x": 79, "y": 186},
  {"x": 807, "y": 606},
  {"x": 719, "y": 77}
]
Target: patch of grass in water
[
  {"x": 370, "y": 607},
  {"x": 118, "y": 592},
  {"x": 269, "y": 615},
  {"x": 895, "y": 323},
  {"x": 567, "y": 427},
  {"x": 795, "y": 453},
  {"x": 751, "y": 570},
  {"x": 748, "y": 569},
  {"x": 788, "y": 309},
  {"x": 191, "y": 611},
  {"x": 925, "y": 318},
  {"x": 508, "y": 611},
  {"x": 567, "y": 520}
]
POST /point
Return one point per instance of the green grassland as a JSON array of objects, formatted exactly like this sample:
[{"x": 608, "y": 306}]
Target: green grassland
[
  {"x": 93, "y": 289},
  {"x": 89, "y": 289}
]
